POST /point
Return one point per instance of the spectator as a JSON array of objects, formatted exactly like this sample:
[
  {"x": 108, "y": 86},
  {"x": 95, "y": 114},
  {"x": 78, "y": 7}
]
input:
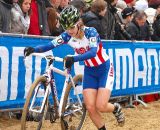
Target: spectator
[
  {"x": 5, "y": 15},
  {"x": 55, "y": 3},
  {"x": 38, "y": 18},
  {"x": 156, "y": 25},
  {"x": 15, "y": 2},
  {"x": 127, "y": 15},
  {"x": 154, "y": 3},
  {"x": 121, "y": 4},
  {"x": 93, "y": 17},
  {"x": 141, "y": 5},
  {"x": 137, "y": 28},
  {"x": 59, "y": 4},
  {"x": 63, "y": 4},
  {"x": 20, "y": 17},
  {"x": 130, "y": 3},
  {"x": 88, "y": 3},
  {"x": 120, "y": 29},
  {"x": 156, "y": 28},
  {"x": 150, "y": 12},
  {"x": 80, "y": 5},
  {"x": 53, "y": 22},
  {"x": 109, "y": 20}
]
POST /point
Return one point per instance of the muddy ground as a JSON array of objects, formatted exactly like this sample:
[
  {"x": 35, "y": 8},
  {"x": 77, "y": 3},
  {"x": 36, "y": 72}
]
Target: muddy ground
[{"x": 138, "y": 118}]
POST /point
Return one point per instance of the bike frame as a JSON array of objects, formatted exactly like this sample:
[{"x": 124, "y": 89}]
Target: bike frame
[{"x": 50, "y": 79}]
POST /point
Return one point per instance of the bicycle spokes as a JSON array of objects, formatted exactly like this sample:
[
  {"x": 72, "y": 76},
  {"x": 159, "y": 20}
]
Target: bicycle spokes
[{"x": 73, "y": 109}]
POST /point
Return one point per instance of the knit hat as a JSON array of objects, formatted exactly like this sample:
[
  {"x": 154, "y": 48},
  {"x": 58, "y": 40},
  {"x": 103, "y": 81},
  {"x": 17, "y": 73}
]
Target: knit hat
[
  {"x": 121, "y": 4},
  {"x": 127, "y": 12},
  {"x": 150, "y": 12},
  {"x": 128, "y": 1},
  {"x": 141, "y": 5}
]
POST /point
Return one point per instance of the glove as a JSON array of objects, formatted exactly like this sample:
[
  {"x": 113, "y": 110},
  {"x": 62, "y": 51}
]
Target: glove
[
  {"x": 28, "y": 51},
  {"x": 68, "y": 61}
]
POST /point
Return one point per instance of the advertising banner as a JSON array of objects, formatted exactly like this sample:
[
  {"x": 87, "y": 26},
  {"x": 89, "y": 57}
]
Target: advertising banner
[{"x": 136, "y": 67}]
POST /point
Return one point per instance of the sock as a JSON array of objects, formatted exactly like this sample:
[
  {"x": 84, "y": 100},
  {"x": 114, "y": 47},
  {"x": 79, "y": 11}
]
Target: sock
[{"x": 102, "y": 128}]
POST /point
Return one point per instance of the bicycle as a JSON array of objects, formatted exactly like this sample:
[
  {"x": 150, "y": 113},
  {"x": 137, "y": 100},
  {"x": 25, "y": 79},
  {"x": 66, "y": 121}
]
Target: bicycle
[{"x": 70, "y": 110}]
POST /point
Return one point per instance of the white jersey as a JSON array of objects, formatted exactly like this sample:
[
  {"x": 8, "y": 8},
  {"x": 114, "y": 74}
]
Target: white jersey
[{"x": 81, "y": 46}]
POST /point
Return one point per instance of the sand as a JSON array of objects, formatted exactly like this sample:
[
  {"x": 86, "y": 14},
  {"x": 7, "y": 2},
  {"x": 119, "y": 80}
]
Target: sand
[{"x": 138, "y": 118}]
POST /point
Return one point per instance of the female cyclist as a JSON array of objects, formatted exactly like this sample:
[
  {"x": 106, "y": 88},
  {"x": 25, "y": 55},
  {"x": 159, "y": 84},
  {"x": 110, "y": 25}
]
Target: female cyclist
[{"x": 98, "y": 72}]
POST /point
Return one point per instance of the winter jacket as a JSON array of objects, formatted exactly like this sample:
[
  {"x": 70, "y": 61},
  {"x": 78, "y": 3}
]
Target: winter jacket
[
  {"x": 156, "y": 27},
  {"x": 108, "y": 22},
  {"x": 92, "y": 19},
  {"x": 19, "y": 22},
  {"x": 137, "y": 32},
  {"x": 38, "y": 18},
  {"x": 5, "y": 16}
]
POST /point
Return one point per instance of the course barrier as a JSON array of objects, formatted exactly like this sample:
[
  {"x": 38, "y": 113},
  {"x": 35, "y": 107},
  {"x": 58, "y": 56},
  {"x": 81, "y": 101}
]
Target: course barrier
[{"x": 136, "y": 67}]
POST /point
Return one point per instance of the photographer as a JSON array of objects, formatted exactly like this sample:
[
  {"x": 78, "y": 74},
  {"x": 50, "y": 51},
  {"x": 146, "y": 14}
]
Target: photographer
[
  {"x": 120, "y": 28},
  {"x": 109, "y": 20}
]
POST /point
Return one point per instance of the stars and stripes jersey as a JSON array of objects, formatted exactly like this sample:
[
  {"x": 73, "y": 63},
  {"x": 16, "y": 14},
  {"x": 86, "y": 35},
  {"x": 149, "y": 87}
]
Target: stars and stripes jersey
[{"x": 88, "y": 49}]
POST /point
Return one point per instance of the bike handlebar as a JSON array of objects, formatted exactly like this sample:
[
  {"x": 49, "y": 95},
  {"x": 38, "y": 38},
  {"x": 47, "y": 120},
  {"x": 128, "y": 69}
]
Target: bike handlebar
[{"x": 48, "y": 57}]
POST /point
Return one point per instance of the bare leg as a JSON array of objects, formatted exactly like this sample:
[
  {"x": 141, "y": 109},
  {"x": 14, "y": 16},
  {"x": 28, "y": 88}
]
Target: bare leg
[
  {"x": 90, "y": 97},
  {"x": 97, "y": 101},
  {"x": 102, "y": 103}
]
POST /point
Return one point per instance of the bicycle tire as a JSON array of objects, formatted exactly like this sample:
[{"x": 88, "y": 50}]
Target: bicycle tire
[
  {"x": 38, "y": 81},
  {"x": 66, "y": 124}
]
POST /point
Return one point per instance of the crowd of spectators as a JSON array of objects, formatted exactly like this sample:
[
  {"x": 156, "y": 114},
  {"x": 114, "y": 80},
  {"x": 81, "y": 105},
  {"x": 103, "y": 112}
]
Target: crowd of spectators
[{"x": 113, "y": 19}]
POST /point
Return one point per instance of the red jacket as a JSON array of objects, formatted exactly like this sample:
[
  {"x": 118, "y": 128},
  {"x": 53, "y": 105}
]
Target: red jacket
[{"x": 34, "y": 20}]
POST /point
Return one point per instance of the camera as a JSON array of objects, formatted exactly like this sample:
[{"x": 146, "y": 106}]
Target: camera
[{"x": 124, "y": 32}]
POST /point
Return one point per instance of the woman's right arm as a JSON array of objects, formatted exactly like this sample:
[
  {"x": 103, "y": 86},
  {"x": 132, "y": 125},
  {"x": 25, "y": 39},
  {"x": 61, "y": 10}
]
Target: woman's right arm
[{"x": 52, "y": 44}]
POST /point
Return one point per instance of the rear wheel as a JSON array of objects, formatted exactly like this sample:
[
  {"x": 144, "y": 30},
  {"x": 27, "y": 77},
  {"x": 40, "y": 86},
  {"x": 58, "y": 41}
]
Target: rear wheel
[
  {"x": 73, "y": 110},
  {"x": 31, "y": 119}
]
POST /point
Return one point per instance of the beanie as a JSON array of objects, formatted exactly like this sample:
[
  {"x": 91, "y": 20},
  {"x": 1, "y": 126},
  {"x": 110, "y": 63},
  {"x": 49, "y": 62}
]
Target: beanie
[
  {"x": 121, "y": 4},
  {"x": 127, "y": 12},
  {"x": 141, "y": 5},
  {"x": 150, "y": 12}
]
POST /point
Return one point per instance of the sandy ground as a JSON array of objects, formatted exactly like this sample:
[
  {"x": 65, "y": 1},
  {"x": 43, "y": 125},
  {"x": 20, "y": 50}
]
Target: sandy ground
[{"x": 138, "y": 118}]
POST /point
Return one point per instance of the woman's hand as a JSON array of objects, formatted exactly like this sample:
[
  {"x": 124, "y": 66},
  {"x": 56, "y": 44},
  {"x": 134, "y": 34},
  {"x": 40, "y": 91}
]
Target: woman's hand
[
  {"x": 68, "y": 60},
  {"x": 28, "y": 51}
]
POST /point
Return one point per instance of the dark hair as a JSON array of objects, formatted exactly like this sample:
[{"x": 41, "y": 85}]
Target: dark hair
[
  {"x": 79, "y": 4},
  {"x": 20, "y": 2},
  {"x": 109, "y": 1},
  {"x": 8, "y": 1}
]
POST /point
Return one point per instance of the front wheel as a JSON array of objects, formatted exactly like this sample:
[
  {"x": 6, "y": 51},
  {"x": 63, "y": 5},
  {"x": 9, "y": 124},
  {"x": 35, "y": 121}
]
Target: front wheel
[
  {"x": 73, "y": 109},
  {"x": 31, "y": 119}
]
